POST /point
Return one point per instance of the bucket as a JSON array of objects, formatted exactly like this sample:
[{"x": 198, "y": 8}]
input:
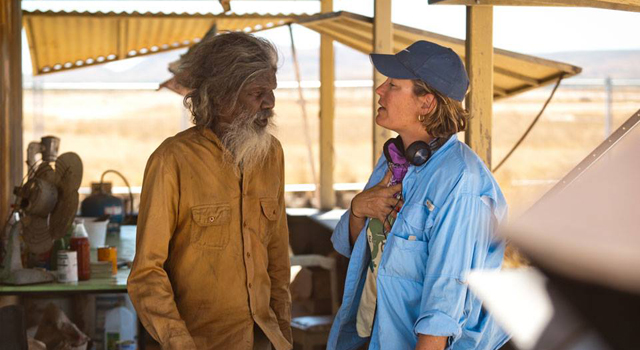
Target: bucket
[{"x": 97, "y": 231}]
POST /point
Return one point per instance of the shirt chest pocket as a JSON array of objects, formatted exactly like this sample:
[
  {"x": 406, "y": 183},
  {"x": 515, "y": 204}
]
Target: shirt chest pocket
[
  {"x": 417, "y": 220},
  {"x": 268, "y": 218},
  {"x": 210, "y": 225}
]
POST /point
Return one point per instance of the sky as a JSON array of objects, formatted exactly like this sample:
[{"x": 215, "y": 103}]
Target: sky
[{"x": 528, "y": 30}]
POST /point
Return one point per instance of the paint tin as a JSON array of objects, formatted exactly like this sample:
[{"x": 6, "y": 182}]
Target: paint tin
[
  {"x": 109, "y": 254},
  {"x": 67, "y": 266},
  {"x": 126, "y": 345}
]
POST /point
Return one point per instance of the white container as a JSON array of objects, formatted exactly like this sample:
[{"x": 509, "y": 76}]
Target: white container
[
  {"x": 119, "y": 326},
  {"x": 67, "y": 266},
  {"x": 97, "y": 231}
]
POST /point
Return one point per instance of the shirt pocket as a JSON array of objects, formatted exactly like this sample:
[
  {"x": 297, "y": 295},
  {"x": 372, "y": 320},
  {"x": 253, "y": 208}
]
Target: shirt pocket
[
  {"x": 210, "y": 227},
  {"x": 269, "y": 215},
  {"x": 405, "y": 258},
  {"x": 417, "y": 220}
]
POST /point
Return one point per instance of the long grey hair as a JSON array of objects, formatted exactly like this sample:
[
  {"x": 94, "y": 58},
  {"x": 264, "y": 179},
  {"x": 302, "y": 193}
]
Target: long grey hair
[{"x": 217, "y": 68}]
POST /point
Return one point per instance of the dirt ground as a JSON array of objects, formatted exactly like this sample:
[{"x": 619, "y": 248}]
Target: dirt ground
[{"x": 120, "y": 129}]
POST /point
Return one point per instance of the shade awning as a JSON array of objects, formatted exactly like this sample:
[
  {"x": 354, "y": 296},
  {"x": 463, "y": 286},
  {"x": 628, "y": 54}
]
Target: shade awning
[
  {"x": 622, "y": 5},
  {"x": 67, "y": 40},
  {"x": 513, "y": 72}
]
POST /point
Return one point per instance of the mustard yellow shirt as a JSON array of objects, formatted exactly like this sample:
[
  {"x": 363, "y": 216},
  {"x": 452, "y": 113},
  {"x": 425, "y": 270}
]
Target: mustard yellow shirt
[{"x": 212, "y": 248}]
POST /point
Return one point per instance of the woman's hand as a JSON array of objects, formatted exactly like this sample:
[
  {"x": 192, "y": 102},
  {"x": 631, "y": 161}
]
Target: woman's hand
[{"x": 376, "y": 202}]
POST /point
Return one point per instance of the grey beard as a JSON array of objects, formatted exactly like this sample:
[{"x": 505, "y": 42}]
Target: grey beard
[{"x": 246, "y": 143}]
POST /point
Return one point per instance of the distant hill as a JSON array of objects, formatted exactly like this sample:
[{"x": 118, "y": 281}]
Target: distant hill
[
  {"x": 350, "y": 65},
  {"x": 602, "y": 64}
]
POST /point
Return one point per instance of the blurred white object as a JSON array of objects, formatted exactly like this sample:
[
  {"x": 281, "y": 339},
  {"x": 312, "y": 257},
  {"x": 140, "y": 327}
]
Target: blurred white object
[
  {"x": 97, "y": 231},
  {"x": 119, "y": 325},
  {"x": 587, "y": 227},
  {"x": 518, "y": 300}
]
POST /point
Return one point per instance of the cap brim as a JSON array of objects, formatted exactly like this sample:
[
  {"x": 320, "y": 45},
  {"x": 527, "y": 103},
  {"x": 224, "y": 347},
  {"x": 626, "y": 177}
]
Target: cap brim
[{"x": 390, "y": 66}]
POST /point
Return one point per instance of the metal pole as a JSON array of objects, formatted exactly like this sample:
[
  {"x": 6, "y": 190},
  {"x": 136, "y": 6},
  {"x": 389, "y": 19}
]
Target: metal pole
[
  {"x": 303, "y": 107},
  {"x": 608, "y": 117}
]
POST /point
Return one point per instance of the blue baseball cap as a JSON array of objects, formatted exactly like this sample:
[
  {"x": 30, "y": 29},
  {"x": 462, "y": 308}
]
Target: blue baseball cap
[{"x": 438, "y": 66}]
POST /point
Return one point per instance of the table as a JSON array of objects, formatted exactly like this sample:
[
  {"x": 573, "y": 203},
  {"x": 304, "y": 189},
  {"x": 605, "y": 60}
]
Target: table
[
  {"x": 328, "y": 219},
  {"x": 117, "y": 284},
  {"x": 125, "y": 242}
]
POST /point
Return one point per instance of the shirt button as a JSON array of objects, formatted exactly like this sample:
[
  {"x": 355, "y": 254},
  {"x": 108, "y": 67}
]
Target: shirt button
[{"x": 249, "y": 284}]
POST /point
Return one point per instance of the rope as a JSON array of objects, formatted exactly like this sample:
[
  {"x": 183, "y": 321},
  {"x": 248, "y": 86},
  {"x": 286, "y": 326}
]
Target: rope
[{"x": 535, "y": 120}]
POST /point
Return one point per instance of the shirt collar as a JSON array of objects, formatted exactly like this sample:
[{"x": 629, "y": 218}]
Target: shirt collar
[
  {"x": 210, "y": 135},
  {"x": 453, "y": 139}
]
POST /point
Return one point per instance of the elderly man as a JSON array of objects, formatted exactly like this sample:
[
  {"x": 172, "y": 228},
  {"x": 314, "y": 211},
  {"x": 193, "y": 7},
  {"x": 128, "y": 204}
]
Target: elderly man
[{"x": 212, "y": 268}]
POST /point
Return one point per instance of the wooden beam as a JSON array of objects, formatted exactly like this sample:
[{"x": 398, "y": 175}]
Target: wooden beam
[
  {"x": 327, "y": 110},
  {"x": 10, "y": 102},
  {"x": 499, "y": 92},
  {"x": 479, "y": 57},
  {"x": 337, "y": 32},
  {"x": 511, "y": 74},
  {"x": 303, "y": 107},
  {"x": 32, "y": 48},
  {"x": 382, "y": 43},
  {"x": 544, "y": 81},
  {"x": 622, "y": 5}
]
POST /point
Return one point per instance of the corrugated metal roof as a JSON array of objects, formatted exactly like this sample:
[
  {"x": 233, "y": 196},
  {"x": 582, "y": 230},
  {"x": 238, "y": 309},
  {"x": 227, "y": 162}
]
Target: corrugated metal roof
[
  {"x": 61, "y": 40},
  {"x": 622, "y": 5},
  {"x": 67, "y": 40},
  {"x": 513, "y": 72}
]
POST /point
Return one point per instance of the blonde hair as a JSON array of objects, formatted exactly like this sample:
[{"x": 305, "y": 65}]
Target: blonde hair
[{"x": 447, "y": 118}]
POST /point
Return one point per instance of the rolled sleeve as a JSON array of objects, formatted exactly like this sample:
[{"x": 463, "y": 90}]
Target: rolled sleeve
[
  {"x": 438, "y": 324},
  {"x": 459, "y": 238},
  {"x": 340, "y": 236}
]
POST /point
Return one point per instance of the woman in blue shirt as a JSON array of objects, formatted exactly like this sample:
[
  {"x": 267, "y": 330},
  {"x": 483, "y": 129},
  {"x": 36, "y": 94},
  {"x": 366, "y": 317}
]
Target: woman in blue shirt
[{"x": 425, "y": 219}]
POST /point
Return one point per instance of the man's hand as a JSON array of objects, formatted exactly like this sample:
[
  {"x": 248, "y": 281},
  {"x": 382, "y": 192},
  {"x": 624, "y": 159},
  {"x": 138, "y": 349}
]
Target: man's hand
[
  {"x": 430, "y": 342},
  {"x": 377, "y": 202}
]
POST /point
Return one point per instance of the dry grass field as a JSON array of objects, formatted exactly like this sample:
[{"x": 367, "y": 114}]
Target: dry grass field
[{"x": 119, "y": 130}]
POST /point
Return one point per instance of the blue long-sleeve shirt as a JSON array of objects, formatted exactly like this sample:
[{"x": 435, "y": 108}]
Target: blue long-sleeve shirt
[{"x": 452, "y": 205}]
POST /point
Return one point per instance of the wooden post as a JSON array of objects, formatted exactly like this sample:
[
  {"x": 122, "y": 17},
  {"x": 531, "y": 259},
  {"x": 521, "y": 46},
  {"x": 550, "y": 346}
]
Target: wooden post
[
  {"x": 303, "y": 110},
  {"x": 479, "y": 60},
  {"x": 10, "y": 102},
  {"x": 382, "y": 43},
  {"x": 327, "y": 109}
]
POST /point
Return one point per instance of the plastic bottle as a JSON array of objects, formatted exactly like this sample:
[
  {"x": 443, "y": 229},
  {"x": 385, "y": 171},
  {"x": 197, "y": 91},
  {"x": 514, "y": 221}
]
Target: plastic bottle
[
  {"x": 119, "y": 326},
  {"x": 80, "y": 243}
]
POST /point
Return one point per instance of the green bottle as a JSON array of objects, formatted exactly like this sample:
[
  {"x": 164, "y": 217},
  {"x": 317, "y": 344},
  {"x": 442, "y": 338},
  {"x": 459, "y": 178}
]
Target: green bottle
[{"x": 59, "y": 244}]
